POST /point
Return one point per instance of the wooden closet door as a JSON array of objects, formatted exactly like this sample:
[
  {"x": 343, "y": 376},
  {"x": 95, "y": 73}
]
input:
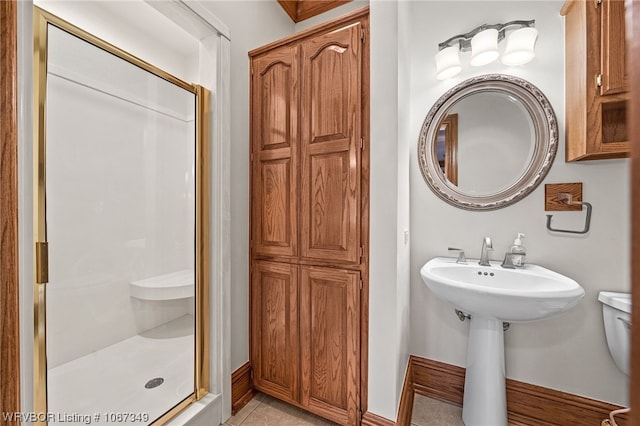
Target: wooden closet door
[
  {"x": 274, "y": 153},
  {"x": 330, "y": 342},
  {"x": 275, "y": 353},
  {"x": 613, "y": 56},
  {"x": 330, "y": 146}
]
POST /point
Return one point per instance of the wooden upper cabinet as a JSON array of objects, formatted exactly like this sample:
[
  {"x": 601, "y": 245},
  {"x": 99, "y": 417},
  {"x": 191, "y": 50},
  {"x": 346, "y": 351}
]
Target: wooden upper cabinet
[
  {"x": 596, "y": 80},
  {"x": 330, "y": 145},
  {"x": 274, "y": 324},
  {"x": 330, "y": 342},
  {"x": 274, "y": 134}
]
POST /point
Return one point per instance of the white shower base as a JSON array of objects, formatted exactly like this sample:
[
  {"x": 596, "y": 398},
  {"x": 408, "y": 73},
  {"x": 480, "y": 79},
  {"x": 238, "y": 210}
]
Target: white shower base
[{"x": 105, "y": 386}]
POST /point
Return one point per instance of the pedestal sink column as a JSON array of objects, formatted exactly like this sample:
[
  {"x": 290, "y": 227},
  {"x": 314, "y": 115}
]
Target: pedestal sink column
[
  {"x": 485, "y": 397},
  {"x": 486, "y": 293}
]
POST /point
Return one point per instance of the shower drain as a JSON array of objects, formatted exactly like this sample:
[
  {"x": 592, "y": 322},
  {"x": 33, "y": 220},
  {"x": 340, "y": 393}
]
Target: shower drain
[{"x": 154, "y": 383}]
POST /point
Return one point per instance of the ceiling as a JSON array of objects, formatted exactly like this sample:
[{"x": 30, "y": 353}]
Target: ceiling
[{"x": 299, "y": 10}]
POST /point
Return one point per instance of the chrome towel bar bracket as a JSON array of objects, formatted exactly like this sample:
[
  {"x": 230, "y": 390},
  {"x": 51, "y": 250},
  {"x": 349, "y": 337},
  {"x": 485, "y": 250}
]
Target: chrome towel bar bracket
[{"x": 568, "y": 199}]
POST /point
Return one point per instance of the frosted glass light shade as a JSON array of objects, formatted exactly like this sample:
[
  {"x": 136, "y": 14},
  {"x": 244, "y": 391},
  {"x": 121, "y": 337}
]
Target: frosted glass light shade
[
  {"x": 448, "y": 62},
  {"x": 484, "y": 47},
  {"x": 520, "y": 46}
]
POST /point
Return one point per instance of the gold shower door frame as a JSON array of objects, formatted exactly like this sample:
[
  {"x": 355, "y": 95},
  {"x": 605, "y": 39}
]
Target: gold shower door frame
[{"x": 41, "y": 20}]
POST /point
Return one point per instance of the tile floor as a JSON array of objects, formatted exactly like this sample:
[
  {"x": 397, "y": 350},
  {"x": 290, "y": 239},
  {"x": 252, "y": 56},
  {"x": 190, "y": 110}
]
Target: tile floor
[
  {"x": 266, "y": 411},
  {"x": 431, "y": 412},
  {"x": 263, "y": 410}
]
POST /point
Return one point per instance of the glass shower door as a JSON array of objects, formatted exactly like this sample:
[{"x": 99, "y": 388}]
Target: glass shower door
[{"x": 120, "y": 223}]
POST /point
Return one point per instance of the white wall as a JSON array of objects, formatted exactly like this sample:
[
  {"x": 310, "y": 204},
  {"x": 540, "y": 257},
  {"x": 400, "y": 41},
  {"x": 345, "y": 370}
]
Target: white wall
[
  {"x": 251, "y": 25},
  {"x": 405, "y": 146},
  {"x": 568, "y": 353},
  {"x": 388, "y": 282}
]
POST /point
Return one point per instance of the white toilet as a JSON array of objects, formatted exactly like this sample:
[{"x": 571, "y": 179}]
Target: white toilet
[{"x": 616, "y": 312}]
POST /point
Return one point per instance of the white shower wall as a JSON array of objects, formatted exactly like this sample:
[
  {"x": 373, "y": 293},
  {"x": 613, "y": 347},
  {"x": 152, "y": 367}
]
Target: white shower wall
[{"x": 120, "y": 197}]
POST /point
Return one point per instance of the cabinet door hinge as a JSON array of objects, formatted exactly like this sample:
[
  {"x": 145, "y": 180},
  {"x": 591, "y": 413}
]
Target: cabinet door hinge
[
  {"x": 361, "y": 252},
  {"x": 599, "y": 80},
  {"x": 361, "y": 143},
  {"x": 360, "y": 283},
  {"x": 362, "y": 34},
  {"x": 42, "y": 262}
]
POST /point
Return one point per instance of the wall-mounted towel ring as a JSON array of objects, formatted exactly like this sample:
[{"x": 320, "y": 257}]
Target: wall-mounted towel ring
[{"x": 569, "y": 200}]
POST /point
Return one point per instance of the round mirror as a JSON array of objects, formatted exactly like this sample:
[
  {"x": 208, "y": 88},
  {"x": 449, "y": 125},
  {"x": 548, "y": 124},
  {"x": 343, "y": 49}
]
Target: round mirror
[{"x": 488, "y": 142}]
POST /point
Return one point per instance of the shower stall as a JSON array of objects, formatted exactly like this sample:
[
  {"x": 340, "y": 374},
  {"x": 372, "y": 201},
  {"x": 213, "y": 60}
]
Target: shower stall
[{"x": 121, "y": 279}]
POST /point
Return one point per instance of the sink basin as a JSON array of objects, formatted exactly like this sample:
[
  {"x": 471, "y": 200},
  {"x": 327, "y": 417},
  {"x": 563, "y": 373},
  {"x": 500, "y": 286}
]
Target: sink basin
[
  {"x": 493, "y": 295},
  {"x": 526, "y": 294}
]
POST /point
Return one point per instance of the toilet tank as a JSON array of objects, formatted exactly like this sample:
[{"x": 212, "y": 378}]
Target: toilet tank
[{"x": 616, "y": 313}]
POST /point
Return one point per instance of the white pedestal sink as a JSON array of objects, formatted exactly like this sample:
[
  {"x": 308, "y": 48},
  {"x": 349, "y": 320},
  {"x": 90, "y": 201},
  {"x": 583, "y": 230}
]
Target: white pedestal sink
[{"x": 493, "y": 295}]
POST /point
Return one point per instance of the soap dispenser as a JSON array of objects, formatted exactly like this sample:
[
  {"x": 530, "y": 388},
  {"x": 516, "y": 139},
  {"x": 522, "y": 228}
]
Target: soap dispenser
[{"x": 518, "y": 251}]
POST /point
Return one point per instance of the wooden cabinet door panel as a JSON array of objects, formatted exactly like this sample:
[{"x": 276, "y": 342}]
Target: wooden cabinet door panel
[
  {"x": 274, "y": 171},
  {"x": 615, "y": 77},
  {"x": 274, "y": 329},
  {"x": 330, "y": 342},
  {"x": 330, "y": 146}
]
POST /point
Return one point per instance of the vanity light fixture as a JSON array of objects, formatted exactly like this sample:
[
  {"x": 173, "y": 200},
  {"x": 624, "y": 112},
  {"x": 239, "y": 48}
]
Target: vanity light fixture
[
  {"x": 520, "y": 46},
  {"x": 448, "y": 62},
  {"x": 483, "y": 42},
  {"x": 484, "y": 47}
]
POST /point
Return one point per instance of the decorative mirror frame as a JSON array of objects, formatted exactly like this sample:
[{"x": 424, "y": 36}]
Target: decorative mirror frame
[{"x": 546, "y": 141}]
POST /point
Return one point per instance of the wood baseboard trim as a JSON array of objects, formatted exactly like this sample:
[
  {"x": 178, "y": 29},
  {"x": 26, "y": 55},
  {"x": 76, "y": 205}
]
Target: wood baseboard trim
[
  {"x": 241, "y": 390},
  {"x": 531, "y": 404},
  {"x": 370, "y": 419},
  {"x": 527, "y": 404},
  {"x": 437, "y": 380},
  {"x": 406, "y": 397}
]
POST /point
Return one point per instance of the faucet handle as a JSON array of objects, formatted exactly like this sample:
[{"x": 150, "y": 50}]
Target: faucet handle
[
  {"x": 461, "y": 258},
  {"x": 508, "y": 261}
]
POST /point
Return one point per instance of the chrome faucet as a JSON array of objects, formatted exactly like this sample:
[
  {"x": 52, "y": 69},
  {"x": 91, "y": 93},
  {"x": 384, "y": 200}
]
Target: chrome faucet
[{"x": 484, "y": 254}]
